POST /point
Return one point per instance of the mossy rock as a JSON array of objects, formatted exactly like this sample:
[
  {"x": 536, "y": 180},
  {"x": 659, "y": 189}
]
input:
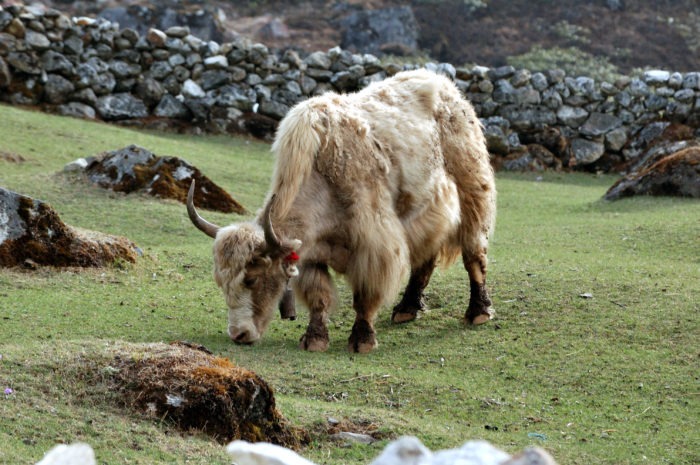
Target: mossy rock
[{"x": 32, "y": 233}]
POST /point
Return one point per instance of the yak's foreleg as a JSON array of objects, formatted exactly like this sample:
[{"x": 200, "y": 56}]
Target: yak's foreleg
[
  {"x": 363, "y": 338},
  {"x": 316, "y": 289},
  {"x": 479, "y": 310},
  {"x": 412, "y": 301}
]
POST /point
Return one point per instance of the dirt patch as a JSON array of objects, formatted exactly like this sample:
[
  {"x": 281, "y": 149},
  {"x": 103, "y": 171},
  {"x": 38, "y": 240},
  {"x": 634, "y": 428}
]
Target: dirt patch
[
  {"x": 191, "y": 388},
  {"x": 11, "y": 157}
]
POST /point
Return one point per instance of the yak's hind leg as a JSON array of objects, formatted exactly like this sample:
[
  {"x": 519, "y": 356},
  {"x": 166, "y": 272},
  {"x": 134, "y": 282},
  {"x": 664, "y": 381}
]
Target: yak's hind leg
[
  {"x": 316, "y": 290},
  {"x": 479, "y": 310},
  {"x": 412, "y": 301},
  {"x": 362, "y": 337}
]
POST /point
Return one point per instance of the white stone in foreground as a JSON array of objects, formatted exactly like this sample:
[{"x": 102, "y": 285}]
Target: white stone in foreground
[
  {"x": 471, "y": 453},
  {"x": 263, "y": 453},
  {"x": 75, "y": 454},
  {"x": 406, "y": 450}
]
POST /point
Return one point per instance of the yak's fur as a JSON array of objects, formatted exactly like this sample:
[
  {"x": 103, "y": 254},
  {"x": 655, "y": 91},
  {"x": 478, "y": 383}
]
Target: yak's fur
[{"x": 393, "y": 178}]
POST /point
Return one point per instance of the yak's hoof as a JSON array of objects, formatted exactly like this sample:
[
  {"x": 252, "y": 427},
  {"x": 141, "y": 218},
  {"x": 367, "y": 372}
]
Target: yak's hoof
[
  {"x": 313, "y": 344},
  {"x": 480, "y": 318},
  {"x": 363, "y": 347},
  {"x": 403, "y": 317},
  {"x": 315, "y": 340},
  {"x": 405, "y": 312},
  {"x": 362, "y": 338}
]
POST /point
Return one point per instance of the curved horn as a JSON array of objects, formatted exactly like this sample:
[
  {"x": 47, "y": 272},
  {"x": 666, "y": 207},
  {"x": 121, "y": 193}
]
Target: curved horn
[
  {"x": 270, "y": 236},
  {"x": 203, "y": 225}
]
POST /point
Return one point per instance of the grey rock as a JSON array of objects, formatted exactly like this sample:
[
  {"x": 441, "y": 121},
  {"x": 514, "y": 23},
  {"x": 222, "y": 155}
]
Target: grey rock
[
  {"x": 149, "y": 90},
  {"x": 599, "y": 124},
  {"x": 656, "y": 77},
  {"x": 37, "y": 40},
  {"x": 191, "y": 89},
  {"x": 216, "y": 62},
  {"x": 586, "y": 151},
  {"x": 320, "y": 75},
  {"x": 54, "y": 62},
  {"x": 160, "y": 70},
  {"x": 485, "y": 86},
  {"x": 445, "y": 69},
  {"x": 57, "y": 89},
  {"x": 684, "y": 95},
  {"x": 121, "y": 106},
  {"x": 691, "y": 81},
  {"x": 318, "y": 60},
  {"x": 616, "y": 139},
  {"x": 170, "y": 107},
  {"x": 675, "y": 80},
  {"x": 233, "y": 95},
  {"x": 213, "y": 78},
  {"x": 527, "y": 96},
  {"x": 24, "y": 62},
  {"x": 638, "y": 88},
  {"x": 655, "y": 102},
  {"x": 552, "y": 99},
  {"x": 539, "y": 81},
  {"x": 263, "y": 93},
  {"x": 274, "y": 109},
  {"x": 502, "y": 72},
  {"x": 521, "y": 77},
  {"x": 572, "y": 116},
  {"x": 624, "y": 99},
  {"x": 77, "y": 110},
  {"x": 258, "y": 54},
  {"x": 86, "y": 96},
  {"x": 73, "y": 45},
  {"x": 534, "y": 117},
  {"x": 504, "y": 92},
  {"x": 353, "y": 438},
  {"x": 496, "y": 140}
]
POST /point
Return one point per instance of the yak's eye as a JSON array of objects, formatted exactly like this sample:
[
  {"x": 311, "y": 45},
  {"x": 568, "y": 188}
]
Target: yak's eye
[{"x": 249, "y": 281}]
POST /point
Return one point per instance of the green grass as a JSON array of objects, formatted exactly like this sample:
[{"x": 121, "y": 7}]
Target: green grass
[{"x": 608, "y": 379}]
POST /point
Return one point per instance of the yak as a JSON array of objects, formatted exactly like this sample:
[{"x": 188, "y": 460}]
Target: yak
[{"x": 372, "y": 184}]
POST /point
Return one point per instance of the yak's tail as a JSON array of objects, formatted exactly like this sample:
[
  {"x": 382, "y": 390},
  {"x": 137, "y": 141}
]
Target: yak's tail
[{"x": 296, "y": 145}]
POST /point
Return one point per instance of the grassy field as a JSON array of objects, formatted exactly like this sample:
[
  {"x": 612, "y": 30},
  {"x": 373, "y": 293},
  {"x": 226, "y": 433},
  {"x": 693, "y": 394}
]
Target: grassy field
[{"x": 608, "y": 378}]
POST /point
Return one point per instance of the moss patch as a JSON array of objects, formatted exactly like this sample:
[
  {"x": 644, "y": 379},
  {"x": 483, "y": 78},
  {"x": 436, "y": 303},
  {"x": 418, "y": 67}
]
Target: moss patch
[{"x": 196, "y": 390}]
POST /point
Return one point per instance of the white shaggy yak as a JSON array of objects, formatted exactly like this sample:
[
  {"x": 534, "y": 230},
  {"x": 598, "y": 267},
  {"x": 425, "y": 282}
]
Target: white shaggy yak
[{"x": 391, "y": 179}]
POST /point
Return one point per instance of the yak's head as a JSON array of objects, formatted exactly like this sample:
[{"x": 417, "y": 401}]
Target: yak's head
[{"x": 252, "y": 266}]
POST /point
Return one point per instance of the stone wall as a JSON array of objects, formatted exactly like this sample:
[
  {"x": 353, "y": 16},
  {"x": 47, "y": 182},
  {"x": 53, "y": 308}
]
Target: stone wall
[{"x": 93, "y": 69}]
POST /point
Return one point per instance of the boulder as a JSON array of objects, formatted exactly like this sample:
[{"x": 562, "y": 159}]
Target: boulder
[
  {"x": 677, "y": 174},
  {"x": 134, "y": 168},
  {"x": 32, "y": 233}
]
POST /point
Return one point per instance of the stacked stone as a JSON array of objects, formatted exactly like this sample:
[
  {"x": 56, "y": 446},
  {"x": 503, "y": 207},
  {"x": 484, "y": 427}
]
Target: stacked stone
[
  {"x": 90, "y": 68},
  {"x": 596, "y": 118}
]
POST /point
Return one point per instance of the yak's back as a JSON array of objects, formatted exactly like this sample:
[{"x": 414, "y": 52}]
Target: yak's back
[{"x": 357, "y": 139}]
